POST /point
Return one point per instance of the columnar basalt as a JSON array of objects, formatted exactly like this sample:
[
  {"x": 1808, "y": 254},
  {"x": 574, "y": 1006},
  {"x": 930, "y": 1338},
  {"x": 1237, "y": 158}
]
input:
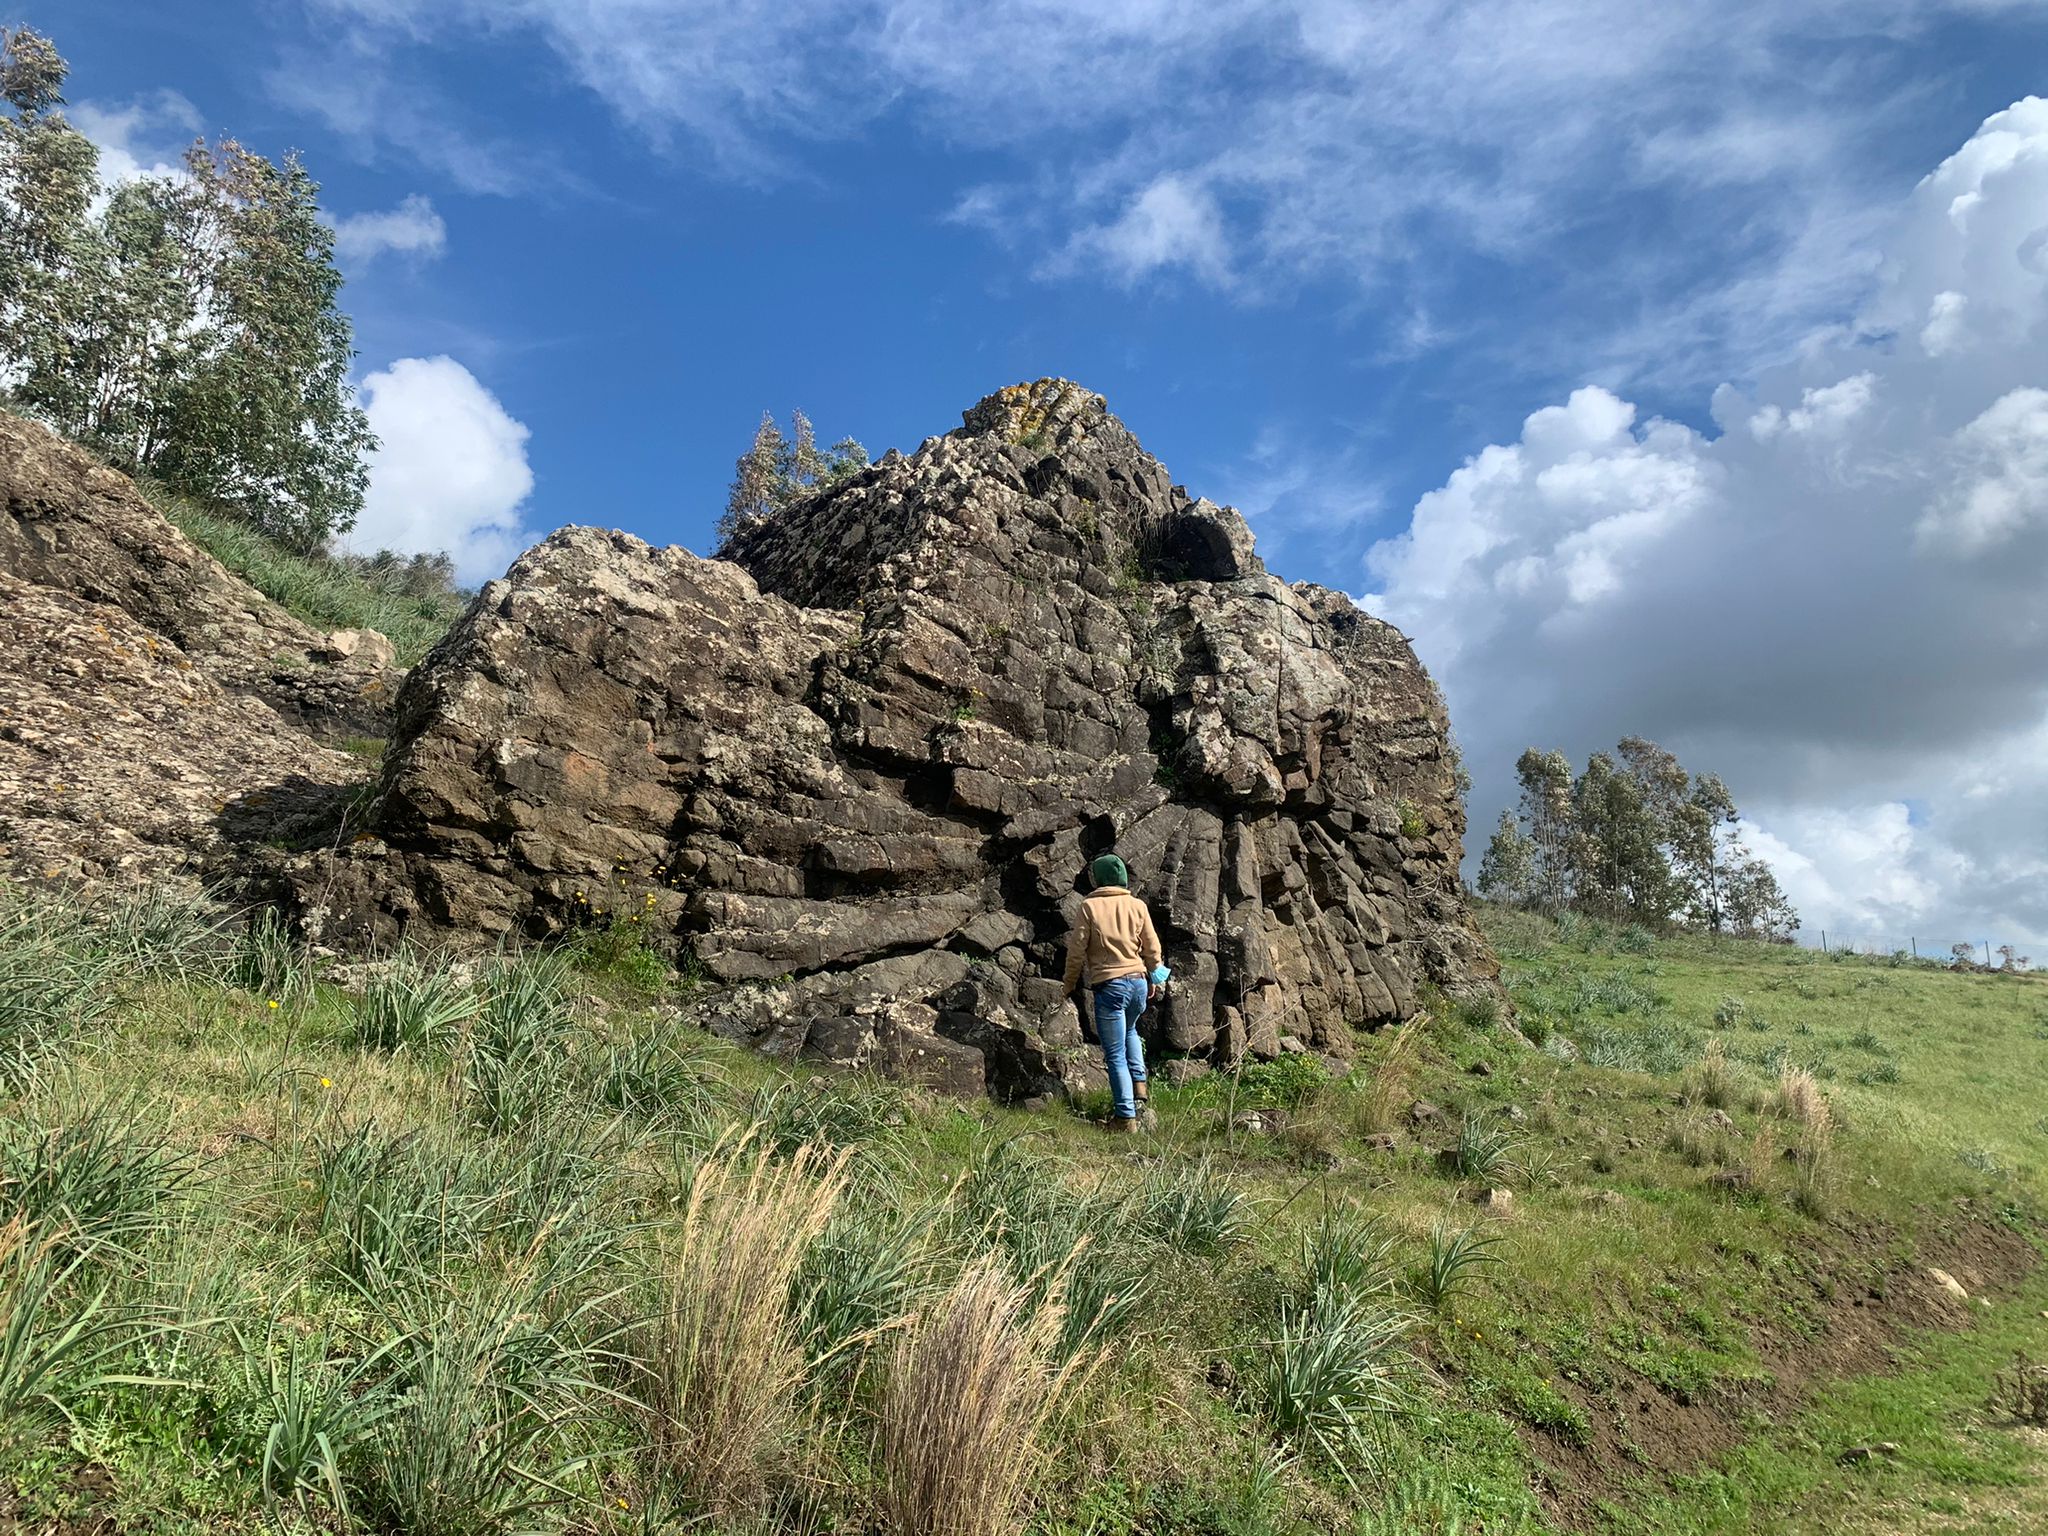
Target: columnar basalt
[{"x": 858, "y": 767}]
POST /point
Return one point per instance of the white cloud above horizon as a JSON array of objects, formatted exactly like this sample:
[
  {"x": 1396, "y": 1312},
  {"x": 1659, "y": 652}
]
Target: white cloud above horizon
[
  {"x": 1248, "y": 147},
  {"x": 1833, "y": 602},
  {"x": 413, "y": 230},
  {"x": 450, "y": 473}
]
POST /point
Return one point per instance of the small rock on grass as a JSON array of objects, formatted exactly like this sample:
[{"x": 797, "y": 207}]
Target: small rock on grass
[
  {"x": 1480, "y": 1069},
  {"x": 1422, "y": 1112},
  {"x": 1497, "y": 1201},
  {"x": 1948, "y": 1283},
  {"x": 1861, "y": 1453}
]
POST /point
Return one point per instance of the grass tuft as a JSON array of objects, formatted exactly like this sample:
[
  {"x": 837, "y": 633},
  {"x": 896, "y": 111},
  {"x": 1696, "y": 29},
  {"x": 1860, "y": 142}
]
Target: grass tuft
[{"x": 971, "y": 1384}]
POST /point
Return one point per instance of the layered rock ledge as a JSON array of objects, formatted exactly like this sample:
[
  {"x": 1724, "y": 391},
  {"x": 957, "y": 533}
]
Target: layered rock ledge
[{"x": 857, "y": 768}]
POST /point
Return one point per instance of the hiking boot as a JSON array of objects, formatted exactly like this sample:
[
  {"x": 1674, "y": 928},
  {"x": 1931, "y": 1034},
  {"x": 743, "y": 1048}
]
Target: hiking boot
[{"x": 1117, "y": 1125}]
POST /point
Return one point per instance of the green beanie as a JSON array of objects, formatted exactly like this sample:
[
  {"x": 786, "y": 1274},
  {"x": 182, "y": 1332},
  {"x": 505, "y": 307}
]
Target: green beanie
[{"x": 1108, "y": 869}]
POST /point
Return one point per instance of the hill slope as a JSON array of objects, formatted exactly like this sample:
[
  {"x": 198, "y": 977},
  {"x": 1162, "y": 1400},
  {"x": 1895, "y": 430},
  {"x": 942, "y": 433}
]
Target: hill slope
[{"x": 450, "y": 1216}]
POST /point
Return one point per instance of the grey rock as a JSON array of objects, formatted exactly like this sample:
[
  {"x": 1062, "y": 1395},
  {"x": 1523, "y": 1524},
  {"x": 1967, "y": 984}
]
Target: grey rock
[{"x": 898, "y": 720}]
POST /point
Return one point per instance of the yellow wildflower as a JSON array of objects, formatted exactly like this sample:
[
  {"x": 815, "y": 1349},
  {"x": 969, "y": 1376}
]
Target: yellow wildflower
[{"x": 274, "y": 1002}]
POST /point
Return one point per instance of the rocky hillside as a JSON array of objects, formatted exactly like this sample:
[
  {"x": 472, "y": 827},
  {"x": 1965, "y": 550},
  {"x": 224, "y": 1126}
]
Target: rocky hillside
[
  {"x": 156, "y": 713},
  {"x": 858, "y": 768}
]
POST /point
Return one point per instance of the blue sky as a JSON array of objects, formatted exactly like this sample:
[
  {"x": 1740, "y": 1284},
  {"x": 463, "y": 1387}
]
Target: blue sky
[{"x": 1325, "y": 259}]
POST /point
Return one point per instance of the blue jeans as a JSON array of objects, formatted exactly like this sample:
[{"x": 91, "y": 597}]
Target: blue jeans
[{"x": 1118, "y": 1006}]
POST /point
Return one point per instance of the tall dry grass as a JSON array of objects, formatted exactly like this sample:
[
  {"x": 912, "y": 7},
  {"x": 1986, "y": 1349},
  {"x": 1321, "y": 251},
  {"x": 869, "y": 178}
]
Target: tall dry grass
[
  {"x": 971, "y": 1384},
  {"x": 723, "y": 1353},
  {"x": 1799, "y": 1101},
  {"x": 1711, "y": 1081},
  {"x": 1383, "y": 1095}
]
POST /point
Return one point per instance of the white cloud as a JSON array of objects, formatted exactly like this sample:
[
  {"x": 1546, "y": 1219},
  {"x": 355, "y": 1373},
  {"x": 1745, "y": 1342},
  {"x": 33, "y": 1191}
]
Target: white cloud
[
  {"x": 144, "y": 137},
  {"x": 1834, "y": 602},
  {"x": 450, "y": 472},
  {"x": 1172, "y": 223},
  {"x": 2005, "y": 486},
  {"x": 1255, "y": 143},
  {"x": 412, "y": 229}
]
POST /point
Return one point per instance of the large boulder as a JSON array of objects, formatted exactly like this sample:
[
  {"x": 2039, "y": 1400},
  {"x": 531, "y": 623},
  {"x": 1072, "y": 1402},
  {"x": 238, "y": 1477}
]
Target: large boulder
[{"x": 863, "y": 762}]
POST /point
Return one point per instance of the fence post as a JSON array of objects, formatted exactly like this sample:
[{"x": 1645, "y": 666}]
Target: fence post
[
  {"x": 1915, "y": 942},
  {"x": 1987, "y": 954},
  {"x": 1823, "y": 941}
]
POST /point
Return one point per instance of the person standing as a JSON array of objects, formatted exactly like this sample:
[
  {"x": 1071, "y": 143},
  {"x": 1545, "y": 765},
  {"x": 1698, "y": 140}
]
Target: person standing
[{"x": 1115, "y": 945}]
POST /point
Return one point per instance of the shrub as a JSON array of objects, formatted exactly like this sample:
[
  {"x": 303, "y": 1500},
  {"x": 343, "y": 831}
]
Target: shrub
[
  {"x": 1798, "y": 1099},
  {"x": 414, "y": 1004},
  {"x": 1481, "y": 1011},
  {"x": 1343, "y": 1257},
  {"x": 269, "y": 961},
  {"x": 868, "y": 1271},
  {"x": 394, "y": 1205},
  {"x": 1729, "y": 1012},
  {"x": 1045, "y": 1227},
  {"x": 664, "y": 1075},
  {"x": 1192, "y": 1207},
  {"x": 2021, "y": 1391},
  {"x": 844, "y": 1113},
  {"x": 312, "y": 1409},
  {"x": 722, "y": 1358},
  {"x": 102, "y": 1176},
  {"x": 971, "y": 1384},
  {"x": 47, "y": 1348},
  {"x": 55, "y": 984},
  {"x": 484, "y": 1390},
  {"x": 1285, "y": 1082},
  {"x": 1383, "y": 1089},
  {"x": 516, "y": 1045}
]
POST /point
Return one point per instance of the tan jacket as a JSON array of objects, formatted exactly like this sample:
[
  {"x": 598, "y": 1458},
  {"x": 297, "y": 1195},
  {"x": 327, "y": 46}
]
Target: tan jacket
[{"x": 1114, "y": 937}]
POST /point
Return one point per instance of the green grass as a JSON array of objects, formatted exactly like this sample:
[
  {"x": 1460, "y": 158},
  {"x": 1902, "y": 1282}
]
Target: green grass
[
  {"x": 379, "y": 1259},
  {"x": 324, "y": 593}
]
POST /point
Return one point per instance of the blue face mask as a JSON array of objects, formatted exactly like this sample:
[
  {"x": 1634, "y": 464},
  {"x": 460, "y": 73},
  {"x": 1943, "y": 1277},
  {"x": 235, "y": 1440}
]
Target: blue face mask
[{"x": 1160, "y": 975}]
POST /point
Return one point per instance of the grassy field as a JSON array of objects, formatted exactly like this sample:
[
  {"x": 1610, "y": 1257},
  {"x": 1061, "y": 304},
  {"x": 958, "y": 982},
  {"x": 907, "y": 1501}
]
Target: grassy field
[{"x": 506, "y": 1245}]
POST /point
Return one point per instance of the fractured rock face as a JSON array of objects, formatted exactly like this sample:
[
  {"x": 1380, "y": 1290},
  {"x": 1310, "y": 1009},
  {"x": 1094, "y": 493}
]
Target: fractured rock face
[
  {"x": 153, "y": 706},
  {"x": 122, "y": 760},
  {"x": 864, "y": 762},
  {"x": 70, "y": 523}
]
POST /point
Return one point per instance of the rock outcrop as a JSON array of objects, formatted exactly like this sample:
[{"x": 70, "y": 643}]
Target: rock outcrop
[
  {"x": 155, "y": 711},
  {"x": 858, "y": 768},
  {"x": 69, "y": 523}
]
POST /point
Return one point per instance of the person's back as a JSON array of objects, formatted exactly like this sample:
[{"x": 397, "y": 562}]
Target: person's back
[{"x": 1114, "y": 943}]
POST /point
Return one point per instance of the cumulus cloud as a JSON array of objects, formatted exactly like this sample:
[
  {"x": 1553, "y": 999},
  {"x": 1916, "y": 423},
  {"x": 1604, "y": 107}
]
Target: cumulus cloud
[
  {"x": 143, "y": 137},
  {"x": 413, "y": 229},
  {"x": 450, "y": 472},
  {"x": 1832, "y": 598}
]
